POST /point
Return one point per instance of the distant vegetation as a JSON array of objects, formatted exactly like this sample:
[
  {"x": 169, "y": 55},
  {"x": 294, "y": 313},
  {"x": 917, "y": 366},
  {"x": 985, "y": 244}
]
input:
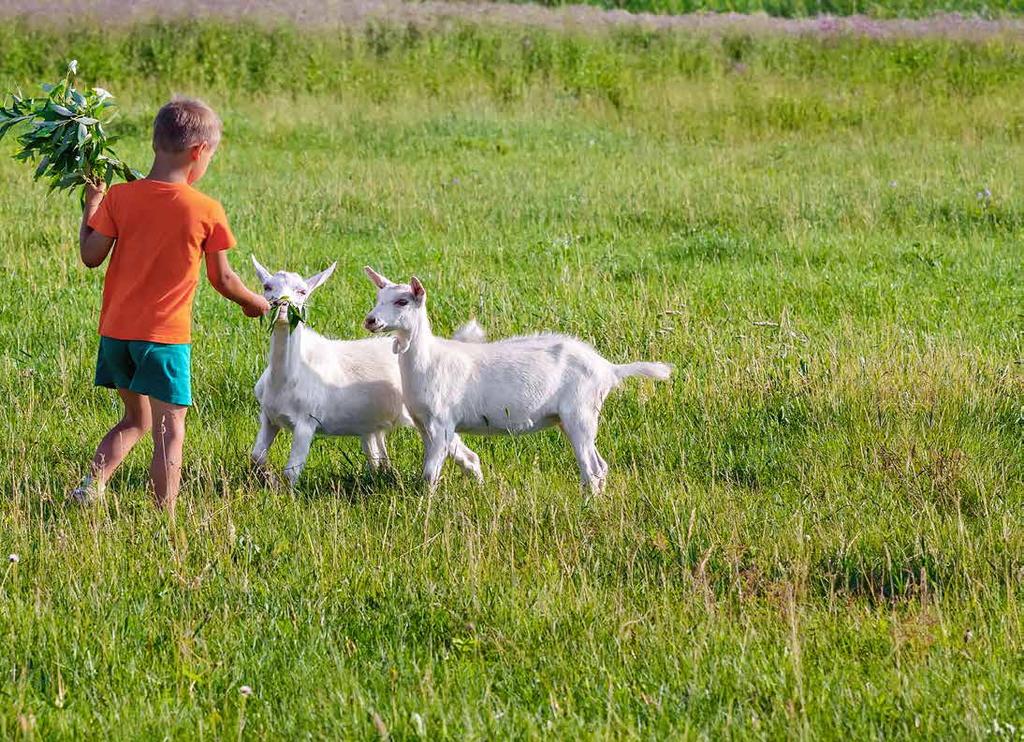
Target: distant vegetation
[
  {"x": 382, "y": 61},
  {"x": 798, "y": 8},
  {"x": 310, "y": 12}
]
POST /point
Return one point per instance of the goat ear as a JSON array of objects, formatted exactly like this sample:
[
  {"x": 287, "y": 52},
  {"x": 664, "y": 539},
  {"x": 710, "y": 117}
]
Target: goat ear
[
  {"x": 313, "y": 281},
  {"x": 417, "y": 289},
  {"x": 262, "y": 272},
  {"x": 378, "y": 280}
]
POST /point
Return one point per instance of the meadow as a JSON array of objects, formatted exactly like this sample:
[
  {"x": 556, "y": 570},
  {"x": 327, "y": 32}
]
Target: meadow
[{"x": 812, "y": 531}]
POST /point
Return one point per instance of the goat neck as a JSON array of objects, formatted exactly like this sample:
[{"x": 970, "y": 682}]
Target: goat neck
[
  {"x": 414, "y": 343},
  {"x": 285, "y": 352}
]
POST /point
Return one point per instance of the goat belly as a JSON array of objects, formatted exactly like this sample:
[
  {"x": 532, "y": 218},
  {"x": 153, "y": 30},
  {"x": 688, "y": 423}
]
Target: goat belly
[
  {"x": 504, "y": 425},
  {"x": 280, "y": 419},
  {"x": 337, "y": 429}
]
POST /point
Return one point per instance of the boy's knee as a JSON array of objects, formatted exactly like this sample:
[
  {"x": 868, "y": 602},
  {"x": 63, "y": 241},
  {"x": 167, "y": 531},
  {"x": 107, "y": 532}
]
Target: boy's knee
[
  {"x": 169, "y": 414},
  {"x": 139, "y": 422},
  {"x": 169, "y": 424}
]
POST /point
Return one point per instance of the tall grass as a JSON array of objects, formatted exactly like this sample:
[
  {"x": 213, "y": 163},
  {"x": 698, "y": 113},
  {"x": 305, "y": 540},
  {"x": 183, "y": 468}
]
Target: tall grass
[{"x": 813, "y": 531}]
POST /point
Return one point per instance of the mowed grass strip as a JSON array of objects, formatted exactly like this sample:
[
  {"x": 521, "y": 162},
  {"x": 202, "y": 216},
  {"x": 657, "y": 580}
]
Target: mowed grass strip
[
  {"x": 813, "y": 530},
  {"x": 694, "y": 14}
]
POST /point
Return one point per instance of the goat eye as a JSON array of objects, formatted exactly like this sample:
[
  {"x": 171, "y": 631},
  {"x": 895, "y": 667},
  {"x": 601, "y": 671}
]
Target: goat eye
[
  {"x": 302, "y": 292},
  {"x": 401, "y": 303},
  {"x": 266, "y": 287}
]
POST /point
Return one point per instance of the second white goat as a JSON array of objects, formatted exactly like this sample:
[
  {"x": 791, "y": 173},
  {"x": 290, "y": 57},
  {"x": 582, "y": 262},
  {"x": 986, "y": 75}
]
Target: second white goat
[{"x": 517, "y": 385}]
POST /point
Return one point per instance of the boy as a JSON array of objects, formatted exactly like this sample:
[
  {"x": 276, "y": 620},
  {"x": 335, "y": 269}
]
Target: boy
[{"x": 162, "y": 227}]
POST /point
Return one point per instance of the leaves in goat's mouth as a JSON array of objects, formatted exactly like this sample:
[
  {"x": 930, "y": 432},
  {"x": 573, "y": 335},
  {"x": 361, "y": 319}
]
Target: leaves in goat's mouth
[{"x": 295, "y": 314}]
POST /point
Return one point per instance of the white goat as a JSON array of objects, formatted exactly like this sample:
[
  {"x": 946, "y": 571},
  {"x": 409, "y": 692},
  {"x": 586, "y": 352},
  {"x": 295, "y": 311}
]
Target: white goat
[
  {"x": 315, "y": 385},
  {"x": 518, "y": 385}
]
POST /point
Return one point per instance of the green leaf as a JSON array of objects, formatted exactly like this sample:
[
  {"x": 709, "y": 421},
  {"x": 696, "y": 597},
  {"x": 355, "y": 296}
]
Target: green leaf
[
  {"x": 6, "y": 126},
  {"x": 71, "y": 180},
  {"x": 42, "y": 167},
  {"x": 295, "y": 316}
]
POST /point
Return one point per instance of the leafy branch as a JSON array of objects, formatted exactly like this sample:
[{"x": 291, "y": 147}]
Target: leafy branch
[{"x": 64, "y": 131}]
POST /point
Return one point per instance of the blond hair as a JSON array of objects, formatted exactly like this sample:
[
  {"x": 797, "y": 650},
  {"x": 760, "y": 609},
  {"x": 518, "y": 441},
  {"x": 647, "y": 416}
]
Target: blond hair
[{"x": 184, "y": 123}]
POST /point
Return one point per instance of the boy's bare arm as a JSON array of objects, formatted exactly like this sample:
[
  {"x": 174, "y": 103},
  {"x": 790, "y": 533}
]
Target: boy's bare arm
[
  {"x": 230, "y": 286},
  {"x": 93, "y": 247}
]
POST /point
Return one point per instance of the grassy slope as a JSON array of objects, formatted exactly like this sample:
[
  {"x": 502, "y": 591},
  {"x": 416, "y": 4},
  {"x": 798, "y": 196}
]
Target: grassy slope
[{"x": 813, "y": 530}]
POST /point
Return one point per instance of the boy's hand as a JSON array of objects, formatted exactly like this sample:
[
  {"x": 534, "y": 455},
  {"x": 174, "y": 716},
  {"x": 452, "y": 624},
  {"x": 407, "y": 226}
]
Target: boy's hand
[
  {"x": 93, "y": 247},
  {"x": 94, "y": 193},
  {"x": 257, "y": 307}
]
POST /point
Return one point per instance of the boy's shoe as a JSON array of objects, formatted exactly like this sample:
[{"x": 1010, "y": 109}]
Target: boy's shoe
[{"x": 86, "y": 493}]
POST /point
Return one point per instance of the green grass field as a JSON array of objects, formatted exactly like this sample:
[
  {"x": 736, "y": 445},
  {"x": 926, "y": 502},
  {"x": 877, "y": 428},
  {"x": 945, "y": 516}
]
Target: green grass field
[{"x": 813, "y": 531}]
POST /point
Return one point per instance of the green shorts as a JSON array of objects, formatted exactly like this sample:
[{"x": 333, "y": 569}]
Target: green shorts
[{"x": 160, "y": 370}]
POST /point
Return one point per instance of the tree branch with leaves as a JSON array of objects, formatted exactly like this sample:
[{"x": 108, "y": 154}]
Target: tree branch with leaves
[{"x": 64, "y": 132}]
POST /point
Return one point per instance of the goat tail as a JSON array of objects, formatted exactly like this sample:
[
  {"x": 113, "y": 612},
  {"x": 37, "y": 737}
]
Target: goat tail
[
  {"x": 471, "y": 332},
  {"x": 660, "y": 371}
]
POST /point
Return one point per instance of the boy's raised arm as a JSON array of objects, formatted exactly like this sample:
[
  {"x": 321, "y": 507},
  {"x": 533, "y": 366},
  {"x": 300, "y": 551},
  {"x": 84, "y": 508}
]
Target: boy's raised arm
[
  {"x": 230, "y": 286},
  {"x": 93, "y": 247}
]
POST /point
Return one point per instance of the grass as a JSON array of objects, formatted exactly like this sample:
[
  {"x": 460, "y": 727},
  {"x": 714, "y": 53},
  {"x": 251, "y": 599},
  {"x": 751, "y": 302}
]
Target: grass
[{"x": 813, "y": 531}]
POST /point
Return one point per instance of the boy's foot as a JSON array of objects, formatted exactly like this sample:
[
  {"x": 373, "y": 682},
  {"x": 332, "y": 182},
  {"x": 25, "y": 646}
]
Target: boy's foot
[{"x": 86, "y": 493}]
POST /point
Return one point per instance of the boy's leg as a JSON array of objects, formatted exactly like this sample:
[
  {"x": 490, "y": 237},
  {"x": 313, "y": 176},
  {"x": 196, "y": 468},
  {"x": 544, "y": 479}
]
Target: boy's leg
[
  {"x": 114, "y": 369},
  {"x": 168, "y": 440},
  {"x": 116, "y": 444}
]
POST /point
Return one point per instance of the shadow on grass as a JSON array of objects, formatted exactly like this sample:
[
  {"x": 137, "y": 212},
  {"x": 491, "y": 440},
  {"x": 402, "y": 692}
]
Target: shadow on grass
[
  {"x": 883, "y": 573},
  {"x": 354, "y": 485}
]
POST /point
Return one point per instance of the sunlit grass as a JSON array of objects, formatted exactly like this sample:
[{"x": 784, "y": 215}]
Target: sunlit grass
[{"x": 813, "y": 530}]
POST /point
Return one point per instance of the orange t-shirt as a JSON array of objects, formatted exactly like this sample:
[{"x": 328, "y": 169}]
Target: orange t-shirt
[{"x": 162, "y": 230}]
